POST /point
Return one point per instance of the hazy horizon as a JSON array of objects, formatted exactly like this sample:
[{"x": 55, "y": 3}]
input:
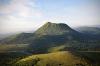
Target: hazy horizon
[{"x": 28, "y": 15}]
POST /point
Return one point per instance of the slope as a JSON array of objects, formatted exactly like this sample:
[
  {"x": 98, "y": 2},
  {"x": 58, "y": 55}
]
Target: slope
[
  {"x": 48, "y": 29},
  {"x": 53, "y": 29},
  {"x": 64, "y": 58},
  {"x": 53, "y": 35},
  {"x": 22, "y": 38}
]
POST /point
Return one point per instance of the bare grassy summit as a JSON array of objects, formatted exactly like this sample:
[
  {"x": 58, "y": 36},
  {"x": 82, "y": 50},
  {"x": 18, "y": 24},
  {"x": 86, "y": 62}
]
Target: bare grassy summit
[{"x": 64, "y": 58}]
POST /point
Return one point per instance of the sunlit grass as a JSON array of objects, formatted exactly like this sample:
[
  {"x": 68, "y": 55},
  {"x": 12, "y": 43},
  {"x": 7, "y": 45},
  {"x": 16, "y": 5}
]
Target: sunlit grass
[
  {"x": 63, "y": 58},
  {"x": 57, "y": 48}
]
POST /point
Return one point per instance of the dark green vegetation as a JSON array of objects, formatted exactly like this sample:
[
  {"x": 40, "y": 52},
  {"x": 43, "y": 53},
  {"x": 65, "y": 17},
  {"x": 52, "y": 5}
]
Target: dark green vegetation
[
  {"x": 9, "y": 58},
  {"x": 54, "y": 29},
  {"x": 61, "y": 58},
  {"x": 47, "y": 43},
  {"x": 64, "y": 58},
  {"x": 93, "y": 56}
]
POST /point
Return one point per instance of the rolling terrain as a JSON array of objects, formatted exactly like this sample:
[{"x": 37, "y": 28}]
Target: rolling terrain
[
  {"x": 51, "y": 45},
  {"x": 64, "y": 58}
]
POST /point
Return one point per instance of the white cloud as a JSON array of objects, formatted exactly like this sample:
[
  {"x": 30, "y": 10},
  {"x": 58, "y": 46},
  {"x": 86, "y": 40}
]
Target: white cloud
[
  {"x": 21, "y": 8},
  {"x": 19, "y": 15},
  {"x": 24, "y": 15}
]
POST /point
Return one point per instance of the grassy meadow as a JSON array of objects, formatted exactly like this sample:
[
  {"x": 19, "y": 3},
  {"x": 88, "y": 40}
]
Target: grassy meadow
[
  {"x": 12, "y": 47},
  {"x": 12, "y": 55}
]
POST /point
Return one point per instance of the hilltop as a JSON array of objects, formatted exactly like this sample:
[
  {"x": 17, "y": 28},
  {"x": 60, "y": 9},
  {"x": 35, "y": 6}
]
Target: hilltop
[
  {"x": 53, "y": 44},
  {"x": 64, "y": 58},
  {"x": 49, "y": 29},
  {"x": 53, "y": 35},
  {"x": 54, "y": 29}
]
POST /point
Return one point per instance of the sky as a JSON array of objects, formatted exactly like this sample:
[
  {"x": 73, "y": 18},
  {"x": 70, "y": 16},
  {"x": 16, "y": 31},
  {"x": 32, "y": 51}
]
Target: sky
[{"x": 29, "y": 15}]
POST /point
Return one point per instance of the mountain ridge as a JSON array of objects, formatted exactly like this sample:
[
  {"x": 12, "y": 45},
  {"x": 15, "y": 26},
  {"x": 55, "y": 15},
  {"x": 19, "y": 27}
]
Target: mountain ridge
[
  {"x": 54, "y": 35},
  {"x": 53, "y": 29},
  {"x": 47, "y": 29},
  {"x": 89, "y": 30}
]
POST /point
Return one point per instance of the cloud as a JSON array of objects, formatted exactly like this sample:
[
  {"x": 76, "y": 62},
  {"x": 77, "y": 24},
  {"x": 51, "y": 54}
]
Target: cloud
[
  {"x": 22, "y": 8},
  {"x": 25, "y": 15},
  {"x": 19, "y": 15}
]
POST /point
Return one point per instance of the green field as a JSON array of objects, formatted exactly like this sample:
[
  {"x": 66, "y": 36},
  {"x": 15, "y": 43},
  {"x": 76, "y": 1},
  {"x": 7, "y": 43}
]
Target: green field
[
  {"x": 15, "y": 55},
  {"x": 12, "y": 47},
  {"x": 61, "y": 58},
  {"x": 64, "y": 58}
]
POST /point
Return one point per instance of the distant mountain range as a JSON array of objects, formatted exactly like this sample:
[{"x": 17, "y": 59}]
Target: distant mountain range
[
  {"x": 55, "y": 35},
  {"x": 89, "y": 30}
]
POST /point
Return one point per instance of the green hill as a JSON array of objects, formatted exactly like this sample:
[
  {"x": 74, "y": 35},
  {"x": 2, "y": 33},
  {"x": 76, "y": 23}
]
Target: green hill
[
  {"x": 46, "y": 29},
  {"x": 53, "y": 59},
  {"x": 49, "y": 46},
  {"x": 22, "y": 38},
  {"x": 63, "y": 58},
  {"x": 53, "y": 35},
  {"x": 54, "y": 29}
]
